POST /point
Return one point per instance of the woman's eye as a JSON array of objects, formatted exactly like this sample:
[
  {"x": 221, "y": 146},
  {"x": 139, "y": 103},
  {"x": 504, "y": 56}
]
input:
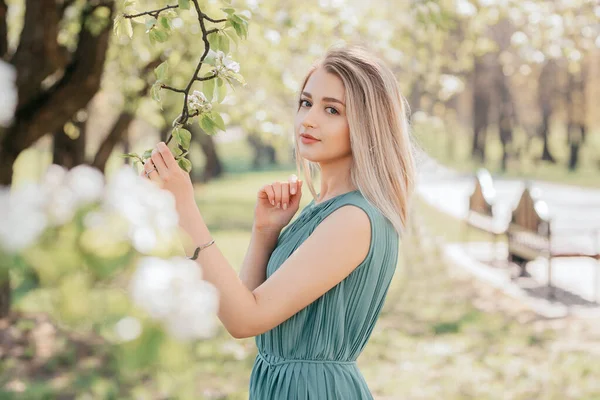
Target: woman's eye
[
  {"x": 302, "y": 103},
  {"x": 333, "y": 110}
]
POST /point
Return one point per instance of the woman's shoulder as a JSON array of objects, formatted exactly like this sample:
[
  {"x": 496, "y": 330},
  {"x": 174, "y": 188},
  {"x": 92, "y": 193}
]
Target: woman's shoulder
[{"x": 358, "y": 199}]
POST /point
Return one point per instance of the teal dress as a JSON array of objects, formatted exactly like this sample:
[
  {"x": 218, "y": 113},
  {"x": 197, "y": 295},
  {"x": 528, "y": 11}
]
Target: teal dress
[{"x": 312, "y": 355}]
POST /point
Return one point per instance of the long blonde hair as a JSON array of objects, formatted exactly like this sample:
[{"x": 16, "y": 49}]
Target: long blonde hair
[{"x": 383, "y": 166}]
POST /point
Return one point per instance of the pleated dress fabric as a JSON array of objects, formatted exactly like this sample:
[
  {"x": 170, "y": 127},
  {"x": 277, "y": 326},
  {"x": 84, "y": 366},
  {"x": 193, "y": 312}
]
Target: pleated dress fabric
[{"x": 312, "y": 355}]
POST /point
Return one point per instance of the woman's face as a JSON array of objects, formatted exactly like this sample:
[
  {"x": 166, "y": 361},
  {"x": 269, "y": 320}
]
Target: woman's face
[{"x": 322, "y": 114}]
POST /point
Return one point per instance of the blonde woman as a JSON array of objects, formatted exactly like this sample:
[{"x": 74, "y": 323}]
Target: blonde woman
[{"x": 311, "y": 293}]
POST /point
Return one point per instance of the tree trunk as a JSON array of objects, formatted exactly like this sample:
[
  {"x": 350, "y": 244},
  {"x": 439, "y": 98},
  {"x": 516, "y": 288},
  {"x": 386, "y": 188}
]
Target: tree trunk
[
  {"x": 506, "y": 115},
  {"x": 546, "y": 92},
  {"x": 481, "y": 107},
  {"x": 3, "y": 30},
  {"x": 117, "y": 134},
  {"x": 41, "y": 111},
  {"x": 69, "y": 152},
  {"x": 213, "y": 167},
  {"x": 577, "y": 123},
  {"x": 263, "y": 152}
]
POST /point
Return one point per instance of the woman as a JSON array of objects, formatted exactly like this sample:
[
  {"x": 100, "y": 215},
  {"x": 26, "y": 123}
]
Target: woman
[{"x": 312, "y": 294}]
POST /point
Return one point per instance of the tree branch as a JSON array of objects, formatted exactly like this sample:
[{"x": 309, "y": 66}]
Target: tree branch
[
  {"x": 153, "y": 13},
  {"x": 172, "y": 89},
  {"x": 216, "y": 21},
  {"x": 39, "y": 55},
  {"x": 3, "y": 30},
  {"x": 206, "y": 78}
]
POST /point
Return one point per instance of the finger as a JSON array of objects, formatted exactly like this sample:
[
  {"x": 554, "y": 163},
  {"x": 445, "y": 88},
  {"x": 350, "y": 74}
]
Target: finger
[
  {"x": 285, "y": 195},
  {"x": 271, "y": 194},
  {"x": 167, "y": 156},
  {"x": 295, "y": 199},
  {"x": 267, "y": 192},
  {"x": 277, "y": 192},
  {"x": 160, "y": 164},
  {"x": 293, "y": 184},
  {"x": 150, "y": 172}
]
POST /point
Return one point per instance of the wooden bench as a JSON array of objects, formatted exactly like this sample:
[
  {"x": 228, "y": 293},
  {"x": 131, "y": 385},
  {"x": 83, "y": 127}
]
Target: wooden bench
[
  {"x": 481, "y": 208},
  {"x": 530, "y": 236}
]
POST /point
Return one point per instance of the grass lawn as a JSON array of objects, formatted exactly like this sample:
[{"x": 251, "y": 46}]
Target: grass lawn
[{"x": 440, "y": 335}]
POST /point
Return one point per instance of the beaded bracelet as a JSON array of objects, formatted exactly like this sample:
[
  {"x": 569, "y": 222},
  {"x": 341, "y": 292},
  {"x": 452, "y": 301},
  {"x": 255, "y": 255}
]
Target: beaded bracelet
[{"x": 199, "y": 248}]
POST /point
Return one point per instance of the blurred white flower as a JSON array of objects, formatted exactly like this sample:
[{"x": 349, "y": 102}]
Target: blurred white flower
[
  {"x": 173, "y": 292},
  {"x": 22, "y": 215},
  {"x": 519, "y": 38},
  {"x": 128, "y": 328},
  {"x": 86, "y": 183},
  {"x": 67, "y": 190},
  {"x": 465, "y": 8},
  {"x": 149, "y": 210},
  {"x": 8, "y": 94}
]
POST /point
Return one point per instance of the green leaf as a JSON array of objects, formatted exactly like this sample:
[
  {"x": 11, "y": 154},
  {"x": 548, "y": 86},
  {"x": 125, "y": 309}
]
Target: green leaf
[
  {"x": 184, "y": 4},
  {"x": 238, "y": 29},
  {"x": 228, "y": 10},
  {"x": 159, "y": 35},
  {"x": 155, "y": 92},
  {"x": 132, "y": 155},
  {"x": 218, "y": 120},
  {"x": 183, "y": 137},
  {"x": 207, "y": 124},
  {"x": 161, "y": 71},
  {"x": 236, "y": 76},
  {"x": 232, "y": 35},
  {"x": 128, "y": 28},
  {"x": 185, "y": 164},
  {"x": 117, "y": 24},
  {"x": 221, "y": 90},
  {"x": 223, "y": 43},
  {"x": 165, "y": 23},
  {"x": 147, "y": 154},
  {"x": 208, "y": 87},
  {"x": 213, "y": 41}
]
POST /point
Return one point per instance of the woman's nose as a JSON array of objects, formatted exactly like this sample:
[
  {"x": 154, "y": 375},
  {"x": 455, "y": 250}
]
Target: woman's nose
[{"x": 309, "y": 120}]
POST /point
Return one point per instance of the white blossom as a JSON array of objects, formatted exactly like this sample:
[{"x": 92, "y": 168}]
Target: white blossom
[
  {"x": 198, "y": 101},
  {"x": 128, "y": 328},
  {"x": 86, "y": 183},
  {"x": 8, "y": 94},
  {"x": 173, "y": 292},
  {"x": 233, "y": 66},
  {"x": 149, "y": 210},
  {"x": 22, "y": 215}
]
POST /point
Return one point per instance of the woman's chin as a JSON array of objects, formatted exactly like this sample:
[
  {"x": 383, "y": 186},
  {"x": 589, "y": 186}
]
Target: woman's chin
[{"x": 309, "y": 157}]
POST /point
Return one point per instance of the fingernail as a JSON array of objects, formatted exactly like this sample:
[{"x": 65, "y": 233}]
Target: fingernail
[
  {"x": 278, "y": 205},
  {"x": 285, "y": 206},
  {"x": 293, "y": 190},
  {"x": 272, "y": 202}
]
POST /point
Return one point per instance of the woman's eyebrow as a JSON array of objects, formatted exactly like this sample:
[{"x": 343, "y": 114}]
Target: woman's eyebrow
[{"x": 329, "y": 99}]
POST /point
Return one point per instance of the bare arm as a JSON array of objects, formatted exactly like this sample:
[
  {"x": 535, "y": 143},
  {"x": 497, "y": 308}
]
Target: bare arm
[
  {"x": 254, "y": 268},
  {"x": 245, "y": 312}
]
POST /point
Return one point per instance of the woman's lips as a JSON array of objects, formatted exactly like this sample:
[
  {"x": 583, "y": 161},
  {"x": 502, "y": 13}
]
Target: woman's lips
[{"x": 308, "y": 140}]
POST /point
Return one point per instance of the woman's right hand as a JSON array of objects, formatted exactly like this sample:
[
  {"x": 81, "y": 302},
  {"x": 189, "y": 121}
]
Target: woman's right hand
[{"x": 276, "y": 205}]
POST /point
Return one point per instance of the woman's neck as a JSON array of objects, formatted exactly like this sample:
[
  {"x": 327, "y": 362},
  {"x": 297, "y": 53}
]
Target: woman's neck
[{"x": 335, "y": 179}]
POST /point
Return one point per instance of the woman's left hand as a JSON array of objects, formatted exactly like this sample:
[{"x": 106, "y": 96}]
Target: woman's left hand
[{"x": 162, "y": 168}]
